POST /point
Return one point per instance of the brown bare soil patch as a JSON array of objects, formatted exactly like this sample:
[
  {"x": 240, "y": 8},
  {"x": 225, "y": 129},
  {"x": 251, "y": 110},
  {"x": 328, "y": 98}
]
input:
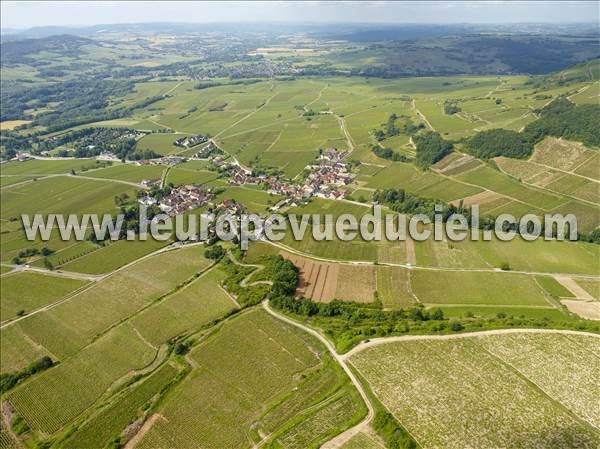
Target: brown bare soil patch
[
  {"x": 484, "y": 197},
  {"x": 585, "y": 309},
  {"x": 356, "y": 283},
  {"x": 318, "y": 280},
  {"x": 456, "y": 165},
  {"x": 411, "y": 255},
  {"x": 143, "y": 430}
]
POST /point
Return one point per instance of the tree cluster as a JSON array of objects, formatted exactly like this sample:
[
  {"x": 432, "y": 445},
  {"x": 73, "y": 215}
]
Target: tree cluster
[
  {"x": 431, "y": 148},
  {"x": 451, "y": 107},
  {"x": 561, "y": 118},
  {"x": 389, "y": 154},
  {"x": 499, "y": 142},
  {"x": 9, "y": 380},
  {"x": 214, "y": 252}
]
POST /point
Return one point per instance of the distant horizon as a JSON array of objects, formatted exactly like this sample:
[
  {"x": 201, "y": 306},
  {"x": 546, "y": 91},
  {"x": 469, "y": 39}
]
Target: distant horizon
[
  {"x": 274, "y": 22},
  {"x": 24, "y": 15}
]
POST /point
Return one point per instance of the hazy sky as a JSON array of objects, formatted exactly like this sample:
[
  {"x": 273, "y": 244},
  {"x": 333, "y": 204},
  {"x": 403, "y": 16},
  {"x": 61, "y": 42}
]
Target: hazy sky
[{"x": 28, "y": 14}]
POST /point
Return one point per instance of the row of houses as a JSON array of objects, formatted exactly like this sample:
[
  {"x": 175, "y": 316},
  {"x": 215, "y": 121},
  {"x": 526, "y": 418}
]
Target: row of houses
[
  {"x": 181, "y": 199},
  {"x": 326, "y": 178},
  {"x": 165, "y": 160},
  {"x": 190, "y": 141},
  {"x": 210, "y": 151}
]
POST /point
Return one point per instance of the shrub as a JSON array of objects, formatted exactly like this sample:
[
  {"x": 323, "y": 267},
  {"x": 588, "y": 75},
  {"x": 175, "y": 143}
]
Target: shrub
[
  {"x": 215, "y": 252},
  {"x": 456, "y": 326}
]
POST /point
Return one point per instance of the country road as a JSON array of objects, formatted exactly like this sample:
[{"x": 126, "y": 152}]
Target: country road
[
  {"x": 343, "y": 359},
  {"x": 343, "y": 437},
  {"x": 384, "y": 340},
  {"x": 250, "y": 114},
  {"x": 420, "y": 267},
  {"x": 258, "y": 268},
  {"x": 95, "y": 278},
  {"x": 57, "y": 273}
]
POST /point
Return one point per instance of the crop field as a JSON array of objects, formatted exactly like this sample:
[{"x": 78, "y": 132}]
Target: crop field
[
  {"x": 477, "y": 288},
  {"x": 538, "y": 255},
  {"x": 590, "y": 167},
  {"x": 195, "y": 305},
  {"x": 356, "y": 283},
  {"x": 564, "y": 155},
  {"x": 41, "y": 168},
  {"x": 114, "y": 419},
  {"x": 17, "y": 295},
  {"x": 394, "y": 287},
  {"x": 230, "y": 415},
  {"x": 592, "y": 287},
  {"x": 69, "y": 326},
  {"x": 448, "y": 254},
  {"x": 429, "y": 184},
  {"x": 514, "y": 389},
  {"x": 59, "y": 195},
  {"x": 573, "y": 185},
  {"x": 493, "y": 180},
  {"x": 317, "y": 280},
  {"x": 9, "y": 180},
  {"x": 165, "y": 345},
  {"x": 324, "y": 282},
  {"x": 55, "y": 397},
  {"x": 363, "y": 441},
  {"x": 67, "y": 254},
  {"x": 181, "y": 176},
  {"x": 335, "y": 249},
  {"x": 111, "y": 256},
  {"x": 541, "y": 255},
  {"x": 161, "y": 143},
  {"x": 129, "y": 172},
  {"x": 392, "y": 252},
  {"x": 450, "y": 125},
  {"x": 18, "y": 350}
]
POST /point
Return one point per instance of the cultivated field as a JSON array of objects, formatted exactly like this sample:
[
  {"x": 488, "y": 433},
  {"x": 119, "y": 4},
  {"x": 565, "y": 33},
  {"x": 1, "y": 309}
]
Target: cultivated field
[
  {"x": 65, "y": 329},
  {"x": 394, "y": 287},
  {"x": 226, "y": 410},
  {"x": 17, "y": 296},
  {"x": 517, "y": 390},
  {"x": 324, "y": 282},
  {"x": 109, "y": 257},
  {"x": 152, "y": 346},
  {"x": 129, "y": 172},
  {"x": 193, "y": 306},
  {"x": 477, "y": 288},
  {"x": 58, "y": 195},
  {"x": 57, "y": 396},
  {"x": 114, "y": 419}
]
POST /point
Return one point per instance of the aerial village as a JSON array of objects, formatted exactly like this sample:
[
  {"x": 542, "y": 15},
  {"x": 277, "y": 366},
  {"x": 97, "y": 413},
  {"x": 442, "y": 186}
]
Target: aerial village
[{"x": 326, "y": 178}]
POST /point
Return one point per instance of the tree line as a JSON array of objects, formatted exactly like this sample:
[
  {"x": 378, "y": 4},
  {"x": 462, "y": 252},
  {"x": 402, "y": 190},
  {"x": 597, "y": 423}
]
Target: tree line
[{"x": 560, "y": 118}]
